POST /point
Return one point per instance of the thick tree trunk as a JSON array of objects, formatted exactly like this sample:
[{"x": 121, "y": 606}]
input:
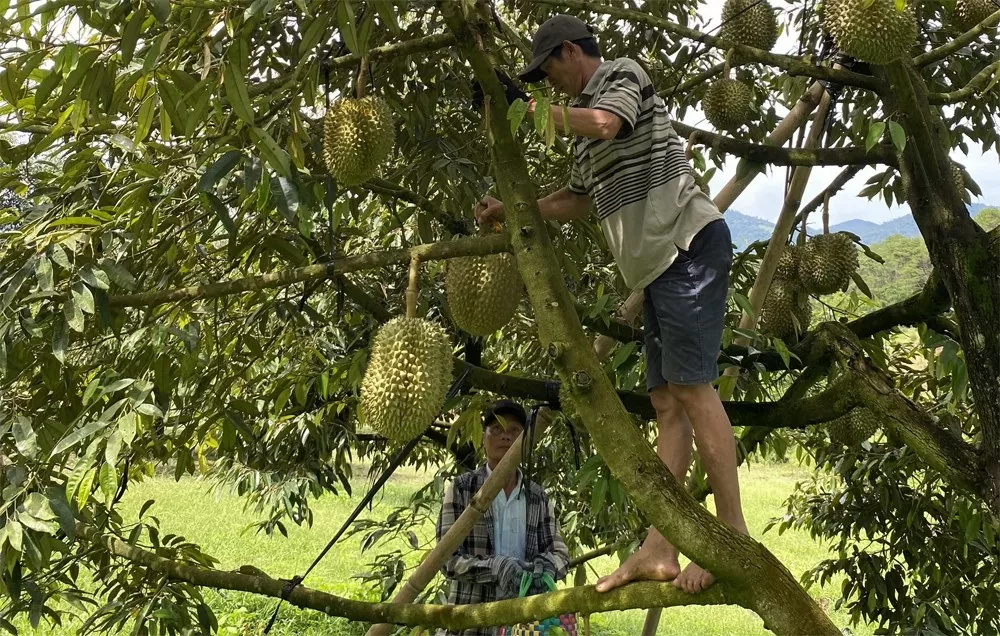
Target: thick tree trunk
[
  {"x": 760, "y": 582},
  {"x": 960, "y": 251}
]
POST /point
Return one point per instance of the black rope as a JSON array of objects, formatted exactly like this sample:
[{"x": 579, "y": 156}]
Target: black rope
[{"x": 396, "y": 461}]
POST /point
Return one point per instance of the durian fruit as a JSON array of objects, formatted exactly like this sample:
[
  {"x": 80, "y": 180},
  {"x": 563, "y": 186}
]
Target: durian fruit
[
  {"x": 969, "y": 13},
  {"x": 827, "y": 263},
  {"x": 787, "y": 312},
  {"x": 357, "y": 137},
  {"x": 878, "y": 33},
  {"x": 756, "y": 26},
  {"x": 727, "y": 103},
  {"x": 407, "y": 378},
  {"x": 483, "y": 292},
  {"x": 852, "y": 428},
  {"x": 788, "y": 264}
]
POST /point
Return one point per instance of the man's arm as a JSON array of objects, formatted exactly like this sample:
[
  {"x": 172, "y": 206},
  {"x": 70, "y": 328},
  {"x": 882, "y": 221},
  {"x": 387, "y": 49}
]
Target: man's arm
[
  {"x": 585, "y": 122},
  {"x": 562, "y": 205},
  {"x": 460, "y": 565}
]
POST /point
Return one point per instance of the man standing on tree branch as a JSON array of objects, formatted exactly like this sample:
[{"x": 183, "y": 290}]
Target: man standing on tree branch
[{"x": 668, "y": 237}]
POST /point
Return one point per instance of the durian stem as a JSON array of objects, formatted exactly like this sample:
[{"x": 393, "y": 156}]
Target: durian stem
[
  {"x": 826, "y": 214},
  {"x": 413, "y": 289},
  {"x": 727, "y": 67},
  {"x": 360, "y": 85}
]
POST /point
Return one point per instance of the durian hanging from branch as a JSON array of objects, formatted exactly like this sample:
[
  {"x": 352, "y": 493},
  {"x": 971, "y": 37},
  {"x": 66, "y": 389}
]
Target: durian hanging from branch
[
  {"x": 483, "y": 292},
  {"x": 728, "y": 102},
  {"x": 750, "y": 23},
  {"x": 409, "y": 371},
  {"x": 874, "y": 31},
  {"x": 358, "y": 134}
]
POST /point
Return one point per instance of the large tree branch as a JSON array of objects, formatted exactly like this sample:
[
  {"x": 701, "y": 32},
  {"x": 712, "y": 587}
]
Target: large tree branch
[
  {"x": 777, "y": 155},
  {"x": 582, "y": 599},
  {"x": 977, "y": 83},
  {"x": 835, "y": 186},
  {"x": 426, "y": 252},
  {"x": 958, "y": 43},
  {"x": 417, "y": 45},
  {"x": 792, "y": 65}
]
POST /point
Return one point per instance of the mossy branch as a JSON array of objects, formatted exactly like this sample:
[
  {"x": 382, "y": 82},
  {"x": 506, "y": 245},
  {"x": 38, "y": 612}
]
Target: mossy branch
[
  {"x": 759, "y": 153},
  {"x": 976, "y": 84},
  {"x": 425, "y": 252},
  {"x": 792, "y": 65},
  {"x": 958, "y": 43},
  {"x": 583, "y": 599}
]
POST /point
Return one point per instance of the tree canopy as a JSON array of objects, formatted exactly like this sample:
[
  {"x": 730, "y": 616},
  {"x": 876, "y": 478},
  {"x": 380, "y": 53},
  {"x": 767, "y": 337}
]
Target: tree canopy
[{"x": 185, "y": 285}]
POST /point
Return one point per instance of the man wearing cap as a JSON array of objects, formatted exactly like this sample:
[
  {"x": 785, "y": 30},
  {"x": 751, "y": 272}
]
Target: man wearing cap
[
  {"x": 667, "y": 237},
  {"x": 518, "y": 533}
]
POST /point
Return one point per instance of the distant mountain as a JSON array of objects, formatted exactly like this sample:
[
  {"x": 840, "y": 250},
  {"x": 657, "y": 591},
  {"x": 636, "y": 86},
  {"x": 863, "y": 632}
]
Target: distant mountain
[{"x": 746, "y": 229}]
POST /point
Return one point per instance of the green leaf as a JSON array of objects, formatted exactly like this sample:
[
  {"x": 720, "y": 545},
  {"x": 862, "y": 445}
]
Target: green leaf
[
  {"x": 126, "y": 428},
  {"x": 387, "y": 13},
  {"x": 345, "y": 20},
  {"x": 782, "y": 349},
  {"x": 10, "y": 85},
  {"x": 74, "y": 316},
  {"x": 92, "y": 388},
  {"x": 77, "y": 436},
  {"x": 86, "y": 485},
  {"x": 75, "y": 478},
  {"x": 15, "y": 535},
  {"x": 160, "y": 10},
  {"x": 290, "y": 199},
  {"x": 130, "y": 35},
  {"x": 108, "y": 480},
  {"x": 217, "y": 206},
  {"x": 862, "y": 285},
  {"x": 45, "y": 88},
  {"x": 145, "y": 121},
  {"x": 516, "y": 113},
  {"x": 24, "y": 437},
  {"x": 83, "y": 297},
  {"x": 60, "y": 340},
  {"x": 37, "y": 505},
  {"x": 898, "y": 135},
  {"x": 147, "y": 408},
  {"x": 118, "y": 274},
  {"x": 236, "y": 92},
  {"x": 744, "y": 304},
  {"x": 218, "y": 170},
  {"x": 276, "y": 157},
  {"x": 874, "y": 134},
  {"x": 74, "y": 220},
  {"x": 43, "y": 272},
  {"x": 95, "y": 277},
  {"x": 113, "y": 447}
]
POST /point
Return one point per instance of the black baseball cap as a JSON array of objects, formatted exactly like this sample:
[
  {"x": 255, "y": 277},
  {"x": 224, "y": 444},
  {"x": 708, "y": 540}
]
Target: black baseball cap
[
  {"x": 507, "y": 408},
  {"x": 549, "y": 37}
]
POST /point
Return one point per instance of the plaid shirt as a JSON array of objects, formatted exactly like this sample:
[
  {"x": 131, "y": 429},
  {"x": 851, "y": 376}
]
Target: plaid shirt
[{"x": 470, "y": 568}]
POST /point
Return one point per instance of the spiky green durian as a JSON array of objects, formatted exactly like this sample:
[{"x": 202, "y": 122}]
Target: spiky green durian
[
  {"x": 877, "y": 33},
  {"x": 853, "y": 428},
  {"x": 483, "y": 292},
  {"x": 828, "y": 262},
  {"x": 787, "y": 312},
  {"x": 755, "y": 26},
  {"x": 788, "y": 264},
  {"x": 728, "y": 103},
  {"x": 407, "y": 378},
  {"x": 969, "y": 13},
  {"x": 357, "y": 137}
]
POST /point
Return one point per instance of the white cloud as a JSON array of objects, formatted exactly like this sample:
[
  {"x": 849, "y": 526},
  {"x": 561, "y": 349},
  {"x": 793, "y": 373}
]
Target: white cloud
[{"x": 765, "y": 195}]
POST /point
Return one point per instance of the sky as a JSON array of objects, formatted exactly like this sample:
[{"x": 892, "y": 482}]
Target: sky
[{"x": 765, "y": 195}]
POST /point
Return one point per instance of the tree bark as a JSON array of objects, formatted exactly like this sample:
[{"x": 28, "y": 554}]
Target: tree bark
[
  {"x": 757, "y": 578},
  {"x": 959, "y": 249}
]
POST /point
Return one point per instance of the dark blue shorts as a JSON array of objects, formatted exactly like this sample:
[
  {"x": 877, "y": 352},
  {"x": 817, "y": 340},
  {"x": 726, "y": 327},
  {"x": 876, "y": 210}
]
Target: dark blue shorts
[{"x": 684, "y": 311}]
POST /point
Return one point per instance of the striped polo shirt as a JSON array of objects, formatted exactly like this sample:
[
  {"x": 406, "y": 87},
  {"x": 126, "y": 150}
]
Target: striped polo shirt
[{"x": 640, "y": 182}]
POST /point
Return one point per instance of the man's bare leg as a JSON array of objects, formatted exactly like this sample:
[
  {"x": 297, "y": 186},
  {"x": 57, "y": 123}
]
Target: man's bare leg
[
  {"x": 656, "y": 560},
  {"x": 717, "y": 448}
]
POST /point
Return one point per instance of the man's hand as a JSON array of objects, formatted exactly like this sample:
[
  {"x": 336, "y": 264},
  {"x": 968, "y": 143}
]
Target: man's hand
[
  {"x": 508, "y": 572},
  {"x": 489, "y": 211}
]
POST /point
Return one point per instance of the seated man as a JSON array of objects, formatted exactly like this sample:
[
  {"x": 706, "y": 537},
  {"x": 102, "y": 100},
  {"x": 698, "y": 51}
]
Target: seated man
[{"x": 517, "y": 534}]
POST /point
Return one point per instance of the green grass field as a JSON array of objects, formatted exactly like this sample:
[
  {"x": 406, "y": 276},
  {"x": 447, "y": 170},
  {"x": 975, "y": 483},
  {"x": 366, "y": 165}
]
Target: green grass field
[{"x": 217, "y": 523}]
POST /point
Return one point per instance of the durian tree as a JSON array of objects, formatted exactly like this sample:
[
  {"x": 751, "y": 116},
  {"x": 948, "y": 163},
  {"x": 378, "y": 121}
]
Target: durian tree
[{"x": 243, "y": 247}]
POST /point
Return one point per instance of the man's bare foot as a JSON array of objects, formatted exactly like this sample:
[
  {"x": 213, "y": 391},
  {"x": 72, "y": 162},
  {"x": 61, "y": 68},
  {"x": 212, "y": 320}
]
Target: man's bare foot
[
  {"x": 656, "y": 560},
  {"x": 694, "y": 579}
]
